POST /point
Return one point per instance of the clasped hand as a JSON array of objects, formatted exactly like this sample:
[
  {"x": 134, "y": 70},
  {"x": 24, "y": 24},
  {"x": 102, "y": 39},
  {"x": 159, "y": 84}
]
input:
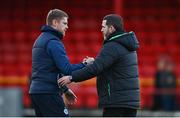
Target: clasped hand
[{"x": 67, "y": 79}]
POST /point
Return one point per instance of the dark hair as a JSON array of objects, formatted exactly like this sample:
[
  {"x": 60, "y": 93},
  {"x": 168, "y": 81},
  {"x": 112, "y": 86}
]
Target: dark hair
[
  {"x": 55, "y": 14},
  {"x": 115, "y": 20}
]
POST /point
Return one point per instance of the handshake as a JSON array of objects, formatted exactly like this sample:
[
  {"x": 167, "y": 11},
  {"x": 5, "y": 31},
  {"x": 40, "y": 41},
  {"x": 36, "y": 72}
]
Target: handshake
[
  {"x": 67, "y": 79},
  {"x": 88, "y": 60}
]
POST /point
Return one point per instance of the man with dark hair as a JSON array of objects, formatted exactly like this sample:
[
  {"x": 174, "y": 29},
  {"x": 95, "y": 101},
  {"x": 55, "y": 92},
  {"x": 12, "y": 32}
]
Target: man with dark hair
[
  {"x": 114, "y": 20},
  {"x": 116, "y": 68},
  {"x": 49, "y": 62}
]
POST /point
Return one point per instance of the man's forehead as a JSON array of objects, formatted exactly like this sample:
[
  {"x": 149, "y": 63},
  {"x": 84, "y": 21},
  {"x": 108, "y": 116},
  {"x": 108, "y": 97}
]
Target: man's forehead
[
  {"x": 104, "y": 22},
  {"x": 64, "y": 19}
]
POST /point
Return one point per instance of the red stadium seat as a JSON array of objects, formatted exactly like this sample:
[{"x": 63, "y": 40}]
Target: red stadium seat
[
  {"x": 6, "y": 37},
  {"x": 91, "y": 97},
  {"x": 147, "y": 94}
]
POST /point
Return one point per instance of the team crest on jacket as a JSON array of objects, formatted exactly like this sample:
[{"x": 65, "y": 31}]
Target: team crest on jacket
[{"x": 65, "y": 111}]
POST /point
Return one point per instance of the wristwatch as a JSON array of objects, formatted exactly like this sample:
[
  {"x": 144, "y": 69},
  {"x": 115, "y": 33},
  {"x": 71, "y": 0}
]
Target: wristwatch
[
  {"x": 85, "y": 63},
  {"x": 70, "y": 78}
]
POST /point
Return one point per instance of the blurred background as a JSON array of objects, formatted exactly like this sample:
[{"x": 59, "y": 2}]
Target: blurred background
[{"x": 155, "y": 22}]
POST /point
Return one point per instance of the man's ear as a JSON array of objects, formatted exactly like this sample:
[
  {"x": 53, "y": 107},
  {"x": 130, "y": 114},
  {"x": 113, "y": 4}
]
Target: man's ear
[
  {"x": 54, "y": 22},
  {"x": 112, "y": 29}
]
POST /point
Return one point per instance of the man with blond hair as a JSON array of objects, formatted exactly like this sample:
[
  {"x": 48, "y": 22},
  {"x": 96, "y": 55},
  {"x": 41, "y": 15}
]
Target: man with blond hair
[{"x": 49, "y": 62}]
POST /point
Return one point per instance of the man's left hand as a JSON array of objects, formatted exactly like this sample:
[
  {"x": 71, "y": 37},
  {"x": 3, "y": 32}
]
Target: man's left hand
[{"x": 70, "y": 97}]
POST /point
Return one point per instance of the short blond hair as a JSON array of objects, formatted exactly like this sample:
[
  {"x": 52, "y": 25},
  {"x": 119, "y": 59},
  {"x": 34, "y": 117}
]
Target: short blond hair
[{"x": 55, "y": 14}]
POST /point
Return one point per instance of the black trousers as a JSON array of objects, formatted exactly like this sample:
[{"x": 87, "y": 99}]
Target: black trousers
[
  {"x": 119, "y": 112},
  {"x": 49, "y": 105}
]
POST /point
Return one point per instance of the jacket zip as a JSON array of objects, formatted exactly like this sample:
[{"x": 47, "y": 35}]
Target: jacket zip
[{"x": 109, "y": 90}]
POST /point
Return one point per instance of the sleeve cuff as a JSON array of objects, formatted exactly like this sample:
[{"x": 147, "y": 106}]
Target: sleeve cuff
[
  {"x": 84, "y": 64},
  {"x": 64, "y": 89}
]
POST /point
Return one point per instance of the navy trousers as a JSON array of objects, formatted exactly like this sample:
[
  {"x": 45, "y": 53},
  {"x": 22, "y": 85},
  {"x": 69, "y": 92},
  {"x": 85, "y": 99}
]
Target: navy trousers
[{"x": 49, "y": 105}]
